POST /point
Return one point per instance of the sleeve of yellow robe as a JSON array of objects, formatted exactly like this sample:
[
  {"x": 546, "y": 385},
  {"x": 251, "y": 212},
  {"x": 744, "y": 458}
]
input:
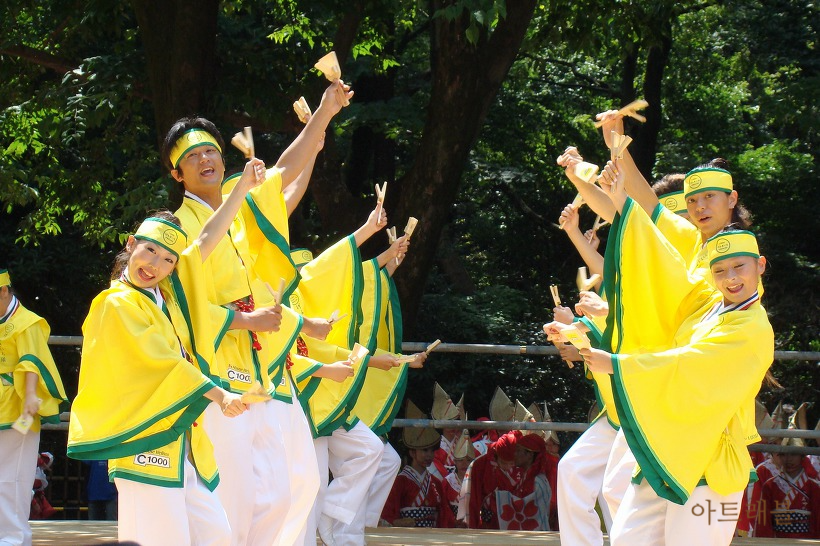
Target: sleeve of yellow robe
[
  {"x": 136, "y": 391},
  {"x": 383, "y": 390},
  {"x": 646, "y": 284},
  {"x": 680, "y": 232},
  {"x": 373, "y": 304},
  {"x": 35, "y": 357},
  {"x": 678, "y": 407},
  {"x": 266, "y": 222},
  {"x": 328, "y": 402},
  {"x": 601, "y": 381},
  {"x": 332, "y": 281}
]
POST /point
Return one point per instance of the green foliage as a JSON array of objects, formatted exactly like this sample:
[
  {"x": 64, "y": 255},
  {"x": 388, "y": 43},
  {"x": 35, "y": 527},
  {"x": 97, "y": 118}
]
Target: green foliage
[{"x": 79, "y": 166}]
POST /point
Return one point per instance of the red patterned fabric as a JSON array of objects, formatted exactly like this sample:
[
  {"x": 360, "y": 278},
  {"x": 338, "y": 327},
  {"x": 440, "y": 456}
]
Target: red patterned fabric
[{"x": 247, "y": 307}]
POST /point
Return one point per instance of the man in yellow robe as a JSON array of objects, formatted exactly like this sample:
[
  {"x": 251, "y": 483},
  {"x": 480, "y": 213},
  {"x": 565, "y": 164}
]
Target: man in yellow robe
[{"x": 260, "y": 455}]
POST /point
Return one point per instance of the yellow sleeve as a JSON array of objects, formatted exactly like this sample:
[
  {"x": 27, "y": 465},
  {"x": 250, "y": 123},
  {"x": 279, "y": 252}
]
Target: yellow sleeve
[
  {"x": 35, "y": 357},
  {"x": 332, "y": 281},
  {"x": 679, "y": 231},
  {"x": 136, "y": 392},
  {"x": 678, "y": 407},
  {"x": 647, "y": 286}
]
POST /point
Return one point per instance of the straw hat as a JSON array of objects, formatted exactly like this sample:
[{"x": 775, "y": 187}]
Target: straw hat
[{"x": 415, "y": 437}]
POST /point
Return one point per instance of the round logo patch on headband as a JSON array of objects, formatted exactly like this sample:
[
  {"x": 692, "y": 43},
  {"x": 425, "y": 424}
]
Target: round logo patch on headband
[
  {"x": 671, "y": 203},
  {"x": 170, "y": 237},
  {"x": 722, "y": 246},
  {"x": 194, "y": 137},
  {"x": 695, "y": 181}
]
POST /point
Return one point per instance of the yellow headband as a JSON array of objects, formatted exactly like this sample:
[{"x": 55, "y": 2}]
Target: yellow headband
[
  {"x": 730, "y": 244},
  {"x": 674, "y": 201},
  {"x": 189, "y": 140},
  {"x": 5, "y": 278},
  {"x": 700, "y": 180},
  {"x": 163, "y": 233},
  {"x": 301, "y": 256}
]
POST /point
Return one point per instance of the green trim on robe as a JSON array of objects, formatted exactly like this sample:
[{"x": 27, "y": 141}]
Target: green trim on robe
[
  {"x": 382, "y": 392},
  {"x": 371, "y": 304},
  {"x": 601, "y": 383},
  {"x": 280, "y": 383},
  {"x": 384, "y": 420}
]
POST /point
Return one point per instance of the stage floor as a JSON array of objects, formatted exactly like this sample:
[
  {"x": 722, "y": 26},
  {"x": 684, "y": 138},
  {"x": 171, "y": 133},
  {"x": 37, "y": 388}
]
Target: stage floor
[{"x": 87, "y": 533}]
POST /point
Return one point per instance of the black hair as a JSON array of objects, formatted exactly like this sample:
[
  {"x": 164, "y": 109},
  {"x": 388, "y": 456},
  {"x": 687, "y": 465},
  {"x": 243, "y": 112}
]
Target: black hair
[
  {"x": 669, "y": 183},
  {"x": 181, "y": 127},
  {"x": 121, "y": 259}
]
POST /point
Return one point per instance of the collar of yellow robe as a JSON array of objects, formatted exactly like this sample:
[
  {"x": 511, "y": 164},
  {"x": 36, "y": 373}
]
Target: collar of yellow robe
[
  {"x": 188, "y": 141},
  {"x": 730, "y": 244},
  {"x": 5, "y": 278},
  {"x": 164, "y": 233},
  {"x": 706, "y": 179},
  {"x": 674, "y": 201}
]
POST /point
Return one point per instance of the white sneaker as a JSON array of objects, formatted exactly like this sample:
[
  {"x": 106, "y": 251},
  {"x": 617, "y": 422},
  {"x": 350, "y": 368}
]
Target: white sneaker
[{"x": 326, "y": 530}]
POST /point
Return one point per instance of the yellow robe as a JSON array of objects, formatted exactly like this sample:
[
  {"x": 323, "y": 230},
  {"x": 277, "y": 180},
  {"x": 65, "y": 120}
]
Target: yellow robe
[
  {"x": 137, "y": 392},
  {"x": 327, "y": 403},
  {"x": 332, "y": 281},
  {"x": 24, "y": 348},
  {"x": 686, "y": 381},
  {"x": 383, "y": 390},
  {"x": 242, "y": 265},
  {"x": 601, "y": 382}
]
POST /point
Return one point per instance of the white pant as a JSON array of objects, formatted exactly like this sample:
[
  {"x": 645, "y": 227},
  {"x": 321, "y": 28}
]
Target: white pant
[
  {"x": 151, "y": 515},
  {"x": 18, "y": 460},
  {"x": 369, "y": 512},
  {"x": 707, "y": 519},
  {"x": 382, "y": 483},
  {"x": 301, "y": 477},
  {"x": 618, "y": 474},
  {"x": 353, "y": 457},
  {"x": 580, "y": 481},
  {"x": 250, "y": 455}
]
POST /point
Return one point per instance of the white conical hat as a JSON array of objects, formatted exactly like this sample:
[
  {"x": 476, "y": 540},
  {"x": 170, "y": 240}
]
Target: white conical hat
[
  {"x": 799, "y": 417},
  {"x": 464, "y": 448},
  {"x": 762, "y": 417},
  {"x": 501, "y": 407},
  {"x": 521, "y": 413},
  {"x": 443, "y": 407},
  {"x": 419, "y": 438},
  {"x": 797, "y": 421},
  {"x": 543, "y": 416},
  {"x": 779, "y": 416}
]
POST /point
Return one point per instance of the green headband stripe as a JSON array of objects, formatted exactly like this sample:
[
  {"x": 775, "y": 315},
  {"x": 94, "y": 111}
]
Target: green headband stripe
[
  {"x": 164, "y": 233},
  {"x": 730, "y": 244},
  {"x": 188, "y": 141},
  {"x": 722, "y": 257}
]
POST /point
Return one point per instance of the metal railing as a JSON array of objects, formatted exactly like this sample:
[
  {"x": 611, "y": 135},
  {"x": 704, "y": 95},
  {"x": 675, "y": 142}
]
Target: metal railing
[{"x": 482, "y": 348}]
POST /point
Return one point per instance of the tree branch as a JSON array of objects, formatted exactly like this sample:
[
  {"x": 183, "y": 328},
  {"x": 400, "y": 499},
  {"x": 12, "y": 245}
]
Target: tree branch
[{"x": 41, "y": 58}]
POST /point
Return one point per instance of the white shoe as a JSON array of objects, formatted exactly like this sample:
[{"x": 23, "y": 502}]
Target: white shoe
[{"x": 326, "y": 530}]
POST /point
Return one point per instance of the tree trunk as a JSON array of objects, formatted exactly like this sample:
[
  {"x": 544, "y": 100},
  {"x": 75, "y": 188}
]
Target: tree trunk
[
  {"x": 465, "y": 81},
  {"x": 647, "y": 141},
  {"x": 178, "y": 37}
]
